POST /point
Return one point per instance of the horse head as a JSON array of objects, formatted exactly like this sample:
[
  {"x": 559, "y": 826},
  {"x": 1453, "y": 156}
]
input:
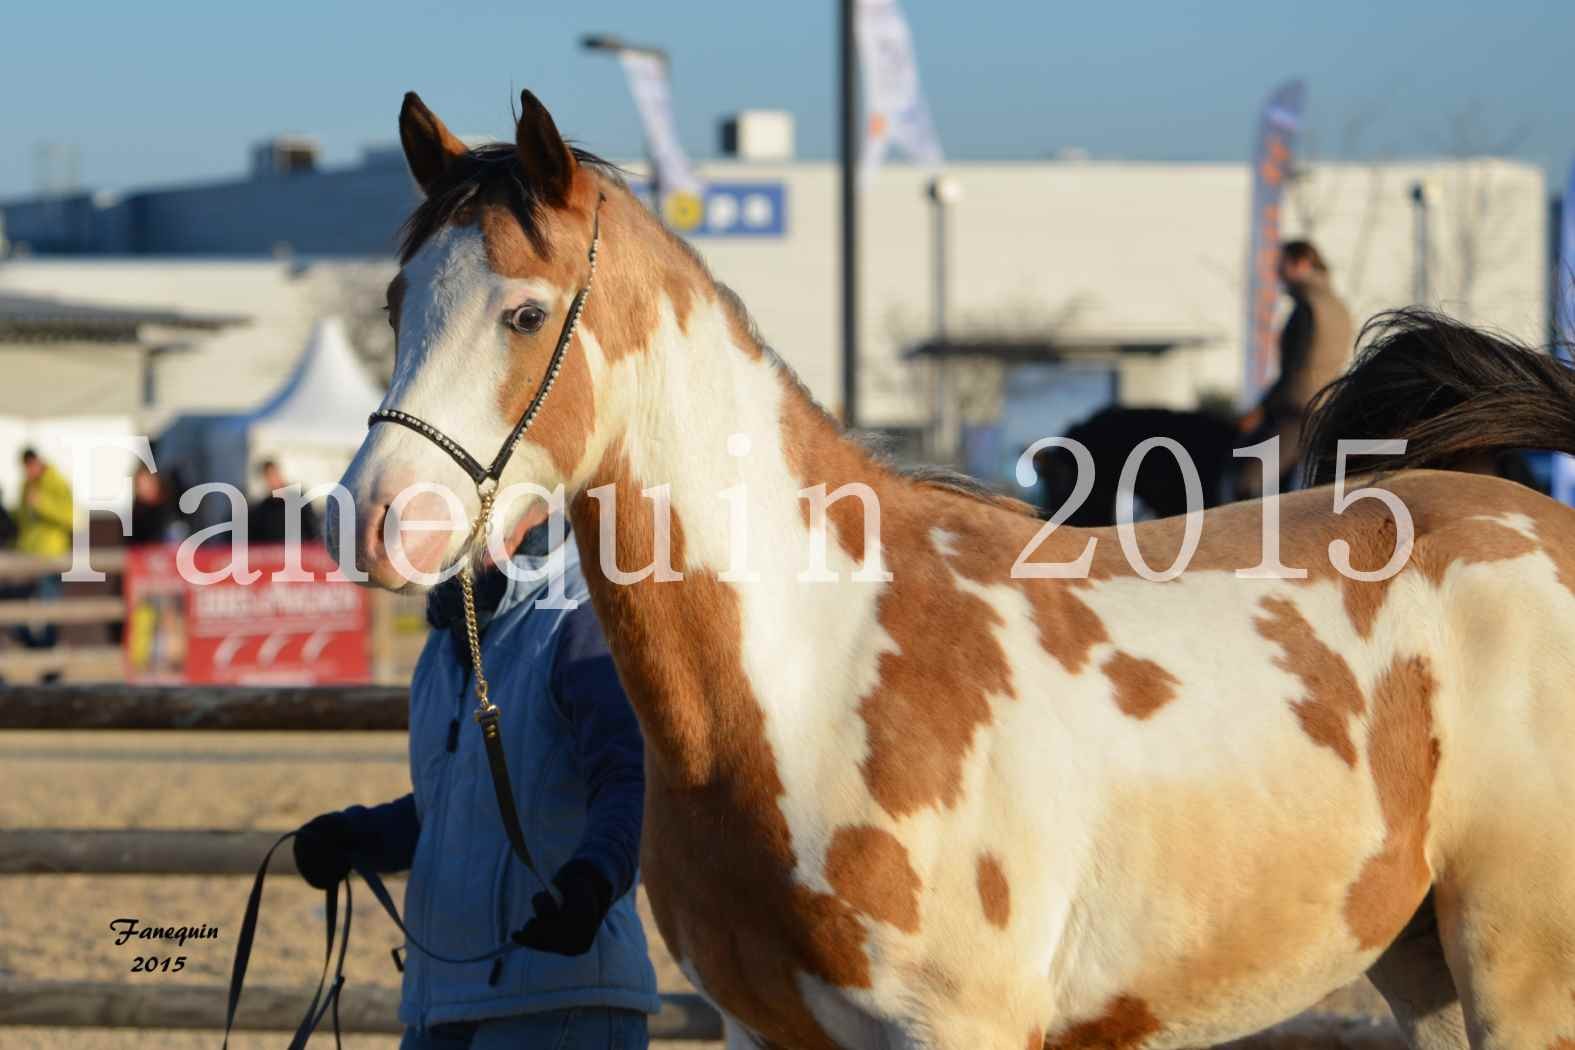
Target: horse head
[{"x": 501, "y": 346}]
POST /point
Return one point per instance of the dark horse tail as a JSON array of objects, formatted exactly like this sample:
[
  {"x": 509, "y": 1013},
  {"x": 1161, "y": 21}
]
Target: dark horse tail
[{"x": 1459, "y": 396}]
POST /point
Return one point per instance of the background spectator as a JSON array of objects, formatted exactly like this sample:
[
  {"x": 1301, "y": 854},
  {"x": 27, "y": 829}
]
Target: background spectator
[
  {"x": 269, "y": 515},
  {"x": 43, "y": 522}
]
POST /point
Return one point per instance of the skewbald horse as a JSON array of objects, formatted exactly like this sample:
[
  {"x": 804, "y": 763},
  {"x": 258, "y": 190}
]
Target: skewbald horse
[{"x": 960, "y": 807}]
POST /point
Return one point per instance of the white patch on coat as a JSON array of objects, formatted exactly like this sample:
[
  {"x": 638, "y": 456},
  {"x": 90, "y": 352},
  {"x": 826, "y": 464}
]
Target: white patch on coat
[{"x": 449, "y": 370}]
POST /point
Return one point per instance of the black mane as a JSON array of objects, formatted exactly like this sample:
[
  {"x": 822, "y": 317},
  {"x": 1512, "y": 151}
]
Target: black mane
[{"x": 483, "y": 169}]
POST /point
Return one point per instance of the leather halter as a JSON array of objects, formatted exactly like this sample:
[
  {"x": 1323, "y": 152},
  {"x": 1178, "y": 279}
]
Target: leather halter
[
  {"x": 486, "y": 478},
  {"x": 469, "y": 464}
]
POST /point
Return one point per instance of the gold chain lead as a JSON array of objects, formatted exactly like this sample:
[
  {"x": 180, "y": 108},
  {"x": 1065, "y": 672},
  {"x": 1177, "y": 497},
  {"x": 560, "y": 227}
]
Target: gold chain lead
[{"x": 467, "y": 587}]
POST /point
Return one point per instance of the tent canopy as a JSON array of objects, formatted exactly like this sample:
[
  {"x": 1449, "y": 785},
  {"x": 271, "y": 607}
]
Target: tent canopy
[
  {"x": 326, "y": 399},
  {"x": 312, "y": 425}
]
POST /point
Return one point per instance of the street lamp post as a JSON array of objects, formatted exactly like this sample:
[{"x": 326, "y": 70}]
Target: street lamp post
[
  {"x": 943, "y": 191},
  {"x": 617, "y": 47},
  {"x": 1419, "y": 275},
  {"x": 848, "y": 137}
]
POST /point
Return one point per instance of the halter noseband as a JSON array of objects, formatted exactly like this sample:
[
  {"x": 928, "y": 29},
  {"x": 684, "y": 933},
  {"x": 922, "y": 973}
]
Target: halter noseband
[{"x": 469, "y": 464}]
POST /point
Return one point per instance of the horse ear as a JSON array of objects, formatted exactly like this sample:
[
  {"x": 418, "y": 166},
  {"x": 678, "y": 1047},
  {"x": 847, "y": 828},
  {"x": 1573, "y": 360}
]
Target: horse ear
[
  {"x": 546, "y": 159},
  {"x": 429, "y": 146}
]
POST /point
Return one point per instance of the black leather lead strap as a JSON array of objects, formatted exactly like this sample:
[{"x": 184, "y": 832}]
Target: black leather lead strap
[
  {"x": 507, "y": 811},
  {"x": 243, "y": 954},
  {"x": 325, "y": 999}
]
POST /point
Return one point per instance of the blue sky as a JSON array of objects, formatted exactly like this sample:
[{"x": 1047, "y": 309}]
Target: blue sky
[{"x": 171, "y": 91}]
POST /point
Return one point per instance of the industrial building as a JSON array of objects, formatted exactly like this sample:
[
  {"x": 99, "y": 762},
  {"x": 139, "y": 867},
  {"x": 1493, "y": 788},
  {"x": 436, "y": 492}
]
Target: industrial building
[{"x": 1066, "y": 283}]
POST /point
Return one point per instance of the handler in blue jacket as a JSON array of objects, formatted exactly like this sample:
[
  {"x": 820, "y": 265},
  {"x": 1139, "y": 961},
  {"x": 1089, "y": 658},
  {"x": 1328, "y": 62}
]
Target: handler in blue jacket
[{"x": 576, "y": 761}]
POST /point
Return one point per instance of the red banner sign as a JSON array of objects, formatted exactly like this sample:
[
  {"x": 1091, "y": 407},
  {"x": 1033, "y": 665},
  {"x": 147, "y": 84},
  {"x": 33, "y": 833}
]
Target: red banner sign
[{"x": 270, "y": 630}]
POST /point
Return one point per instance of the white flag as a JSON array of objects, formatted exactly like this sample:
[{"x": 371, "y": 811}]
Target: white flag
[
  {"x": 895, "y": 112},
  {"x": 675, "y": 178}
]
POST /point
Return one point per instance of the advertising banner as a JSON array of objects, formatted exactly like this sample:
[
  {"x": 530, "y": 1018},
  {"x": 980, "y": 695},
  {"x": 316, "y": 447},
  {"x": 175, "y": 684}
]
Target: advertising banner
[
  {"x": 895, "y": 111},
  {"x": 274, "y": 629},
  {"x": 1271, "y": 167}
]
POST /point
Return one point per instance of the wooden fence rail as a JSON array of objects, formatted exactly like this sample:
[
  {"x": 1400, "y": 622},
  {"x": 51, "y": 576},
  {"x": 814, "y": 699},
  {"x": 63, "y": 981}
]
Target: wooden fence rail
[
  {"x": 371, "y": 1009},
  {"x": 365, "y": 1008},
  {"x": 15, "y": 566},
  {"x": 322, "y": 707},
  {"x": 34, "y": 613},
  {"x": 141, "y": 851}
]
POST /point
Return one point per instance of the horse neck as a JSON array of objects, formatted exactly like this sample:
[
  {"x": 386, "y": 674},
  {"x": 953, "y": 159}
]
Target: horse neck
[{"x": 718, "y": 425}]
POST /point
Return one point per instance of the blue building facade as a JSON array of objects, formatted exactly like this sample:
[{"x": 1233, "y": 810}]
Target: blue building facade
[{"x": 347, "y": 212}]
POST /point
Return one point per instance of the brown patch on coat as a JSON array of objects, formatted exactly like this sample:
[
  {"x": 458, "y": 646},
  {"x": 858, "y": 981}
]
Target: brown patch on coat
[
  {"x": 995, "y": 893},
  {"x": 1474, "y": 543},
  {"x": 930, "y": 700},
  {"x": 1068, "y": 628},
  {"x": 639, "y": 264},
  {"x": 1403, "y": 755},
  {"x": 1140, "y": 686},
  {"x": 567, "y": 418},
  {"x": 1125, "y": 1025},
  {"x": 869, "y": 869},
  {"x": 1036, "y": 1039},
  {"x": 746, "y": 927},
  {"x": 1332, "y": 698}
]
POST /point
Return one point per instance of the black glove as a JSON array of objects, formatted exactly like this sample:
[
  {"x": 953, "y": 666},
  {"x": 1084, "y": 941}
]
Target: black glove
[
  {"x": 322, "y": 849},
  {"x": 569, "y": 929}
]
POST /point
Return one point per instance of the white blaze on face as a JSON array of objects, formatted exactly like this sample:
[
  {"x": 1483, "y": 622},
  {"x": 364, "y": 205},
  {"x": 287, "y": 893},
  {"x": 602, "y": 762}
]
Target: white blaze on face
[{"x": 452, "y": 361}]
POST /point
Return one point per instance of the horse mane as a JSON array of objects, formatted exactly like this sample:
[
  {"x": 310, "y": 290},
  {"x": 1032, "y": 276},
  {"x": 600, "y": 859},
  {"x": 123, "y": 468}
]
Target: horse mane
[
  {"x": 1453, "y": 392},
  {"x": 479, "y": 173}
]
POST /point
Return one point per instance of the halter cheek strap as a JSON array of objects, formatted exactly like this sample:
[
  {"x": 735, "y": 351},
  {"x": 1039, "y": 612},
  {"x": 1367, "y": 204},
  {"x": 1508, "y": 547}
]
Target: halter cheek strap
[
  {"x": 479, "y": 474},
  {"x": 486, "y": 480}
]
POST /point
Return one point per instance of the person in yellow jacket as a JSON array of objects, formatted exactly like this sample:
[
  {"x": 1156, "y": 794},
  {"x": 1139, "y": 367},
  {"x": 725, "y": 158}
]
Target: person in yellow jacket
[{"x": 43, "y": 522}]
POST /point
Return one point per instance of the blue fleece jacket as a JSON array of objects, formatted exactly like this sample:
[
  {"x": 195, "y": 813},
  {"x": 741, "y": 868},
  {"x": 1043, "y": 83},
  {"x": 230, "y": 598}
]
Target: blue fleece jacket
[{"x": 576, "y": 760}]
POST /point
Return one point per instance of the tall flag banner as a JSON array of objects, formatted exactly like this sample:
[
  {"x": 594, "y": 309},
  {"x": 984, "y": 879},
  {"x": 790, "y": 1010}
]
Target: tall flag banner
[
  {"x": 1564, "y": 326},
  {"x": 678, "y": 187},
  {"x": 896, "y": 113},
  {"x": 1271, "y": 166}
]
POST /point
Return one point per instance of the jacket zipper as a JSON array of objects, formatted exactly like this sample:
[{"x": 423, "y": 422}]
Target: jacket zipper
[{"x": 446, "y": 786}]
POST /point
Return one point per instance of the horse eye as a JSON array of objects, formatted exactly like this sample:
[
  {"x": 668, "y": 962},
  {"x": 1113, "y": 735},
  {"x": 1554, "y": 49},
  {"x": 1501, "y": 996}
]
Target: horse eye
[{"x": 527, "y": 318}]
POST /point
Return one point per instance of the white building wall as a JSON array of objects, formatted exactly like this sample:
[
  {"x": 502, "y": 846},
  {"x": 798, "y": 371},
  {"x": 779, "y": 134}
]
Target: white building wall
[
  {"x": 1108, "y": 247},
  {"x": 1122, "y": 248}
]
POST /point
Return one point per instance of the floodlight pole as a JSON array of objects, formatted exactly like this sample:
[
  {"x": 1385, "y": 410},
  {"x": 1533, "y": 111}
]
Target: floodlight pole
[
  {"x": 848, "y": 129},
  {"x": 610, "y": 44}
]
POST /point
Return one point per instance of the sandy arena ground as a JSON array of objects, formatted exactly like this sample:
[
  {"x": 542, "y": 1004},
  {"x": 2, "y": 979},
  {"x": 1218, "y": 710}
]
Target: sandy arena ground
[{"x": 57, "y": 927}]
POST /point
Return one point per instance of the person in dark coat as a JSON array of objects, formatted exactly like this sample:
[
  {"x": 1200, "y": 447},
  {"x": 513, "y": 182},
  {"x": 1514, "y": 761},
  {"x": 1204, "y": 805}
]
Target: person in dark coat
[
  {"x": 1316, "y": 346},
  {"x": 270, "y": 516}
]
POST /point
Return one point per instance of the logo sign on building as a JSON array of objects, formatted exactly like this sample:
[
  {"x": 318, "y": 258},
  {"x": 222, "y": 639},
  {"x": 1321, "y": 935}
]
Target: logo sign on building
[
  {"x": 895, "y": 111},
  {"x": 1271, "y": 167},
  {"x": 653, "y": 98},
  {"x": 731, "y": 209},
  {"x": 271, "y": 630}
]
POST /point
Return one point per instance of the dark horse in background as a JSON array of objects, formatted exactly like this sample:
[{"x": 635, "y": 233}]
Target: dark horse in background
[
  {"x": 1111, "y": 435},
  {"x": 1472, "y": 369}
]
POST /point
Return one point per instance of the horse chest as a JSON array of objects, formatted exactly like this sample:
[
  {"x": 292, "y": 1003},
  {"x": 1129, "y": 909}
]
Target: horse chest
[{"x": 767, "y": 950}]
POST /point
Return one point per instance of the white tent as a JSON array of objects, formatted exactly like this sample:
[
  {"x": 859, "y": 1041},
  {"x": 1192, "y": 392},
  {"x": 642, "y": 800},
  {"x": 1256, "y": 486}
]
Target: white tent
[
  {"x": 316, "y": 421},
  {"x": 311, "y": 425}
]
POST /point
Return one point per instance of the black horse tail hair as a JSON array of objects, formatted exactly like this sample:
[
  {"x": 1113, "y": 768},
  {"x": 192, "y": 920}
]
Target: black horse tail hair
[{"x": 1454, "y": 393}]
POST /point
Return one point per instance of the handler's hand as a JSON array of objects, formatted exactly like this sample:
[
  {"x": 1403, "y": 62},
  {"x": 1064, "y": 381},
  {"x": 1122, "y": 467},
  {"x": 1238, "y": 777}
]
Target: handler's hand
[
  {"x": 322, "y": 850},
  {"x": 569, "y": 929}
]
